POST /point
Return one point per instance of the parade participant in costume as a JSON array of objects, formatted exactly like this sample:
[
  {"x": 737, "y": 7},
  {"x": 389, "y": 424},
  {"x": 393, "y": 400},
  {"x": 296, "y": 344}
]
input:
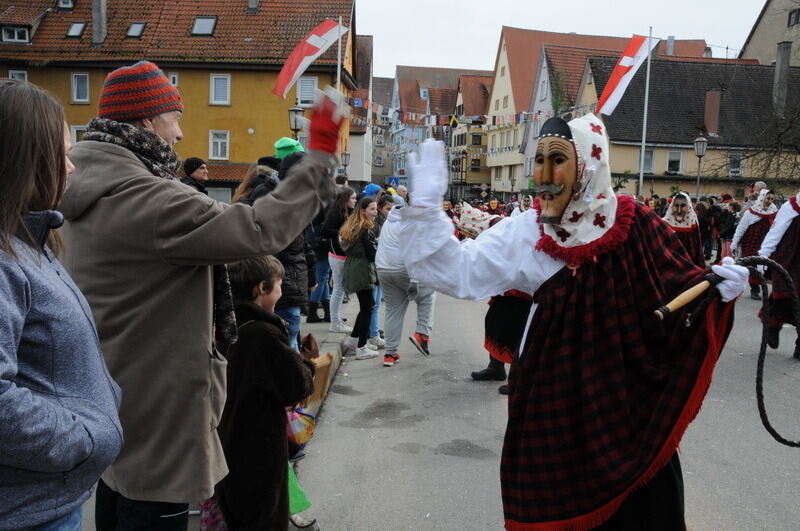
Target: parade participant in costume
[
  {"x": 683, "y": 220},
  {"x": 527, "y": 203},
  {"x": 601, "y": 391},
  {"x": 782, "y": 244},
  {"x": 752, "y": 229},
  {"x": 447, "y": 206}
]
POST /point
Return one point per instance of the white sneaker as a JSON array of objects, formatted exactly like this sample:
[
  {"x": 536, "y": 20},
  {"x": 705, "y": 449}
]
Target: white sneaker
[
  {"x": 340, "y": 328},
  {"x": 377, "y": 341},
  {"x": 365, "y": 353}
]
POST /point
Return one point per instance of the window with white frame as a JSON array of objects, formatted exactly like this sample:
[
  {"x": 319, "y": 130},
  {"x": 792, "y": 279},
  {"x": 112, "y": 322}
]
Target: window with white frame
[
  {"x": 66, "y": 4},
  {"x": 303, "y": 139},
  {"x": 475, "y": 165},
  {"x": 223, "y": 195},
  {"x": 515, "y": 138},
  {"x": 735, "y": 164},
  {"x": 423, "y": 93},
  {"x": 508, "y": 138},
  {"x": 220, "y": 89},
  {"x": 502, "y": 71},
  {"x": 543, "y": 90},
  {"x": 75, "y": 29},
  {"x": 173, "y": 78},
  {"x": 505, "y": 102},
  {"x": 379, "y": 141},
  {"x": 218, "y": 142},
  {"x": 306, "y": 89},
  {"x": 494, "y": 141},
  {"x": 204, "y": 26},
  {"x": 136, "y": 29},
  {"x": 497, "y": 105},
  {"x": 502, "y": 140},
  {"x": 379, "y": 160},
  {"x": 675, "y": 161},
  {"x": 648, "y": 160},
  {"x": 21, "y": 75},
  {"x": 15, "y": 34},
  {"x": 76, "y": 132},
  {"x": 80, "y": 87}
]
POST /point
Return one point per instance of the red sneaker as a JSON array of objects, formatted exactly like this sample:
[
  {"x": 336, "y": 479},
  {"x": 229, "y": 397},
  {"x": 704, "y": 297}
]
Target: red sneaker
[
  {"x": 421, "y": 342},
  {"x": 390, "y": 359}
]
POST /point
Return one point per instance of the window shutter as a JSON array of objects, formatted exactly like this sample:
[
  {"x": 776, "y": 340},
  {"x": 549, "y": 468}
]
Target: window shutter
[
  {"x": 306, "y": 86},
  {"x": 221, "y": 89}
]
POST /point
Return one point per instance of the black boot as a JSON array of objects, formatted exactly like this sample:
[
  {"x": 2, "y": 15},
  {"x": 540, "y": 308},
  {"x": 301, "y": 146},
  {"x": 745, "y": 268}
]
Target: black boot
[
  {"x": 326, "y": 309},
  {"x": 755, "y": 293},
  {"x": 773, "y": 336},
  {"x": 797, "y": 349},
  {"x": 313, "y": 316},
  {"x": 503, "y": 389},
  {"x": 494, "y": 371}
]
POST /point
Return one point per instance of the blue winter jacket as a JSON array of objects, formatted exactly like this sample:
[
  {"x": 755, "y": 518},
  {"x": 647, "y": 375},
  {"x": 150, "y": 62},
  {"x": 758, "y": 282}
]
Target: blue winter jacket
[{"x": 59, "y": 427}]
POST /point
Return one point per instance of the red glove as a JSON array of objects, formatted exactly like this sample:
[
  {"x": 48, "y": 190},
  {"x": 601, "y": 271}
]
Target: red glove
[{"x": 325, "y": 126}]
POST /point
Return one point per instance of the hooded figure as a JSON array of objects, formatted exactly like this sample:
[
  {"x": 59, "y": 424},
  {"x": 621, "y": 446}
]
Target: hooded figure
[
  {"x": 601, "y": 390},
  {"x": 752, "y": 229},
  {"x": 682, "y": 219},
  {"x": 782, "y": 244}
]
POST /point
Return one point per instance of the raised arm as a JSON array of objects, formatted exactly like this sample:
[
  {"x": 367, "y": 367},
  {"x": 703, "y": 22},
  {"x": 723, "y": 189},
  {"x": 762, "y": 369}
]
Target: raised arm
[{"x": 501, "y": 258}]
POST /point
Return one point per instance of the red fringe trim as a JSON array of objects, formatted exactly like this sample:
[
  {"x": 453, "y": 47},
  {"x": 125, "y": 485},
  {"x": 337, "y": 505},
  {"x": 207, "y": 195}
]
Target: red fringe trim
[
  {"x": 763, "y": 215},
  {"x": 715, "y": 328},
  {"x": 519, "y": 294},
  {"x": 500, "y": 353},
  {"x": 795, "y": 206},
  {"x": 615, "y": 236},
  {"x": 684, "y": 229}
]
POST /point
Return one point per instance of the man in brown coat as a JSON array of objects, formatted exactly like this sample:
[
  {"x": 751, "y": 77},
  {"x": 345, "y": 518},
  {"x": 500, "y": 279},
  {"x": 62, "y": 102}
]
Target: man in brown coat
[{"x": 148, "y": 253}]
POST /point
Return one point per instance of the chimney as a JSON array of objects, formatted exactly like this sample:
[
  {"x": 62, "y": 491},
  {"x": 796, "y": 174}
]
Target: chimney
[
  {"x": 252, "y": 5},
  {"x": 707, "y": 52},
  {"x": 781, "y": 84},
  {"x": 671, "y": 45},
  {"x": 712, "y": 112},
  {"x": 99, "y": 22}
]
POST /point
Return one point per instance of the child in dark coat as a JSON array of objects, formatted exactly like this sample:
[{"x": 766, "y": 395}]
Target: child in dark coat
[{"x": 265, "y": 375}]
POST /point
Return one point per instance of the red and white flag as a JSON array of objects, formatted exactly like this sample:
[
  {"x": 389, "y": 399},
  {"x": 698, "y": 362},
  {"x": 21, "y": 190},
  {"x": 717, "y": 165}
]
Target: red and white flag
[
  {"x": 632, "y": 58},
  {"x": 312, "y": 46}
]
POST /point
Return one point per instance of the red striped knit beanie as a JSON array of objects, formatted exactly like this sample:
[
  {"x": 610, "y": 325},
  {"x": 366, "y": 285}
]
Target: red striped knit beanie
[{"x": 135, "y": 92}]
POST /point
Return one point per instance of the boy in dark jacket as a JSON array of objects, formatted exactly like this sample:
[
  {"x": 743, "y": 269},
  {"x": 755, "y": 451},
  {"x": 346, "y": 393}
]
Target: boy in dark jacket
[{"x": 265, "y": 375}]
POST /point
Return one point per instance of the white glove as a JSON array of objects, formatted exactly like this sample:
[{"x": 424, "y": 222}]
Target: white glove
[
  {"x": 735, "y": 279},
  {"x": 428, "y": 168}
]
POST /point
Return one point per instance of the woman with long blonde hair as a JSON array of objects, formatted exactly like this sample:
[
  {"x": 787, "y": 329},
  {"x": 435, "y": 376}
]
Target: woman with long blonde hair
[{"x": 359, "y": 271}]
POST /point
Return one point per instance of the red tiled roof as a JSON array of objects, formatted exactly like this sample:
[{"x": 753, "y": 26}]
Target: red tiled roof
[
  {"x": 475, "y": 92},
  {"x": 22, "y": 15},
  {"x": 226, "y": 172},
  {"x": 710, "y": 60},
  {"x": 524, "y": 46},
  {"x": 568, "y": 63},
  {"x": 442, "y": 101},
  {"x": 266, "y": 36},
  {"x": 410, "y": 79}
]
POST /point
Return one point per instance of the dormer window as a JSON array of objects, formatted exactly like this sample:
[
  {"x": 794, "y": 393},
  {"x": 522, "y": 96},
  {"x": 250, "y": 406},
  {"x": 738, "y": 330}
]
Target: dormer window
[
  {"x": 136, "y": 29},
  {"x": 15, "y": 34},
  {"x": 423, "y": 93},
  {"x": 76, "y": 29},
  {"x": 204, "y": 25},
  {"x": 66, "y": 4}
]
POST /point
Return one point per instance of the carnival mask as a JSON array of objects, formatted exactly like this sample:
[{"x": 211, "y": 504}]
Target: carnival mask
[
  {"x": 457, "y": 208},
  {"x": 554, "y": 170},
  {"x": 493, "y": 204},
  {"x": 526, "y": 203},
  {"x": 680, "y": 209}
]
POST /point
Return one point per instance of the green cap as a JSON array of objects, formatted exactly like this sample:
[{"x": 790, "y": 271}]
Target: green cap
[{"x": 284, "y": 146}]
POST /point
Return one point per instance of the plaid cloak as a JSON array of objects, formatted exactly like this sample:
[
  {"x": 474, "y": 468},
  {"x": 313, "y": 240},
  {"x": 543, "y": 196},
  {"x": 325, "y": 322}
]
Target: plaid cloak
[
  {"x": 690, "y": 238},
  {"x": 505, "y": 324},
  {"x": 786, "y": 254},
  {"x": 605, "y": 391},
  {"x": 754, "y": 237}
]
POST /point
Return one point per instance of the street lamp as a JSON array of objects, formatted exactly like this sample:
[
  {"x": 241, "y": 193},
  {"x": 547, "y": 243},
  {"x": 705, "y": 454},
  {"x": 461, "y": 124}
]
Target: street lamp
[
  {"x": 295, "y": 113},
  {"x": 700, "y": 144},
  {"x": 345, "y": 161}
]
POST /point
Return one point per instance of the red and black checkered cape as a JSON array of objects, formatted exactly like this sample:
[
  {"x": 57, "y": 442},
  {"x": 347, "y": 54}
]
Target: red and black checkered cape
[
  {"x": 787, "y": 254},
  {"x": 605, "y": 391},
  {"x": 754, "y": 236},
  {"x": 690, "y": 238},
  {"x": 505, "y": 324}
]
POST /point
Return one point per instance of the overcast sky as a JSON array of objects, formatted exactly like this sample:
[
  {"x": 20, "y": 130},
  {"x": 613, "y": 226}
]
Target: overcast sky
[{"x": 465, "y": 33}]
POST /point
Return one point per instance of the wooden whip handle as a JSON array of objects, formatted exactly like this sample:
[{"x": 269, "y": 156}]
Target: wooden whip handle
[{"x": 683, "y": 299}]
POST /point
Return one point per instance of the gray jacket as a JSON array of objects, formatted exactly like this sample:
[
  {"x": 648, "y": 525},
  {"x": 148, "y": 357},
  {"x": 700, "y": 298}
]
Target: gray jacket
[{"x": 58, "y": 404}]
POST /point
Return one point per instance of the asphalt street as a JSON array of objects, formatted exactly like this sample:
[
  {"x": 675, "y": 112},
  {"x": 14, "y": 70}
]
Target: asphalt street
[{"x": 417, "y": 445}]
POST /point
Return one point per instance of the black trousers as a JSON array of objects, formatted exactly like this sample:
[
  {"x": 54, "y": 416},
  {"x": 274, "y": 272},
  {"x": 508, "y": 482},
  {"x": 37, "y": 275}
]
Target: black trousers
[
  {"x": 115, "y": 512},
  {"x": 361, "y": 326}
]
